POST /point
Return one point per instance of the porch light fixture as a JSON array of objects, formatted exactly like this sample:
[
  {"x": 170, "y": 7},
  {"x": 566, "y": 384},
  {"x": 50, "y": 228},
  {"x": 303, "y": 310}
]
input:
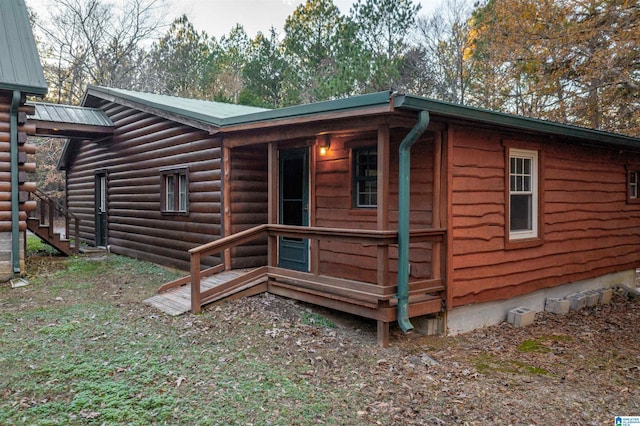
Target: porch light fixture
[{"x": 324, "y": 142}]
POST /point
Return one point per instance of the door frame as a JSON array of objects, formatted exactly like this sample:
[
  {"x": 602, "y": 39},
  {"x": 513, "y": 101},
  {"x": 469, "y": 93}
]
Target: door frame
[
  {"x": 101, "y": 207},
  {"x": 285, "y": 244}
]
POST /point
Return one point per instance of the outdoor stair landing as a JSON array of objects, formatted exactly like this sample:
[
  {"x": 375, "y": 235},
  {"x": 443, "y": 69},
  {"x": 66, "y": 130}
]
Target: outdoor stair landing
[{"x": 177, "y": 301}]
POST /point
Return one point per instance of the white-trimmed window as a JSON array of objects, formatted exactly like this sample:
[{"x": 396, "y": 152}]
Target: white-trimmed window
[
  {"x": 632, "y": 186},
  {"x": 523, "y": 194},
  {"x": 175, "y": 191}
]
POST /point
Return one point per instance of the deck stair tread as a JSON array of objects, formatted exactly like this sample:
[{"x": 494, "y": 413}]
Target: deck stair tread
[
  {"x": 177, "y": 301},
  {"x": 54, "y": 239}
]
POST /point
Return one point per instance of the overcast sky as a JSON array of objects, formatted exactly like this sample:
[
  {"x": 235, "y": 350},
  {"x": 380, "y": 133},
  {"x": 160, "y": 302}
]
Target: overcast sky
[{"x": 217, "y": 17}]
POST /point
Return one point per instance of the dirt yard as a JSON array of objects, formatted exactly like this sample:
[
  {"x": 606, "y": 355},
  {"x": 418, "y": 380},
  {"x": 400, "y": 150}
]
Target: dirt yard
[{"x": 268, "y": 360}]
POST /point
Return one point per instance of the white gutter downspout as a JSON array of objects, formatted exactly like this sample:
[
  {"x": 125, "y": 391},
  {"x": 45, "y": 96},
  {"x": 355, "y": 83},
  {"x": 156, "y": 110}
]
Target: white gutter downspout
[
  {"x": 404, "y": 206},
  {"x": 15, "y": 199}
]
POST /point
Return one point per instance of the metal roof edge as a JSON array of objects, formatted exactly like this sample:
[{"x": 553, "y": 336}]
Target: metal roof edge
[
  {"x": 21, "y": 53},
  {"x": 101, "y": 119},
  {"x": 203, "y": 118},
  {"x": 29, "y": 90},
  {"x": 303, "y": 110},
  {"x": 512, "y": 121}
]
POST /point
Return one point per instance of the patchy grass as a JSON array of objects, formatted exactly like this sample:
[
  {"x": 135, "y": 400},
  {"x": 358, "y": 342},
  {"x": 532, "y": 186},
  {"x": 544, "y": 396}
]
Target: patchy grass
[
  {"x": 313, "y": 318},
  {"x": 77, "y": 346},
  {"x": 84, "y": 350},
  {"x": 533, "y": 345},
  {"x": 35, "y": 246},
  {"x": 487, "y": 364}
]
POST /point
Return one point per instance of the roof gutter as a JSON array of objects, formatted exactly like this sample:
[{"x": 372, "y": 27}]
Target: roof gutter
[
  {"x": 510, "y": 121},
  {"x": 404, "y": 195},
  {"x": 15, "y": 199}
]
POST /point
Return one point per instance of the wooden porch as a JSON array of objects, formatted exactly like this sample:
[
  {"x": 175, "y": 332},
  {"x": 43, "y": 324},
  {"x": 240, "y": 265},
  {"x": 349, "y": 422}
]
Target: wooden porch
[{"x": 376, "y": 301}]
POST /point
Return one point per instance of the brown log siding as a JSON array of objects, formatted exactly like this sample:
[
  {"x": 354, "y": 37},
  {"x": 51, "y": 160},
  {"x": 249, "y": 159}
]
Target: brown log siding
[
  {"x": 141, "y": 146},
  {"x": 334, "y": 208},
  {"x": 249, "y": 197},
  {"x": 589, "y": 229},
  {"x": 25, "y": 165}
]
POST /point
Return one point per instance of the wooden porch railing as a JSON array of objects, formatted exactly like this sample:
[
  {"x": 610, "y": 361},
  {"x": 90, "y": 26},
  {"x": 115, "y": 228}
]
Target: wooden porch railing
[
  {"x": 45, "y": 213},
  {"x": 367, "y": 293}
]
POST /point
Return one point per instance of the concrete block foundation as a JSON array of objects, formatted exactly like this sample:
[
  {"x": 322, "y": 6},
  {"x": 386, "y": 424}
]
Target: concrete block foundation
[
  {"x": 578, "y": 301},
  {"x": 557, "y": 306},
  {"x": 428, "y": 325},
  {"x": 462, "y": 319},
  {"x": 593, "y": 297},
  {"x": 605, "y": 296},
  {"x": 6, "y": 260},
  {"x": 521, "y": 317}
]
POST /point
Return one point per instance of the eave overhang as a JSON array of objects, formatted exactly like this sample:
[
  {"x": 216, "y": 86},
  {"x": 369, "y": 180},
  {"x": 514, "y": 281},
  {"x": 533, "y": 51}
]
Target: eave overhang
[
  {"x": 514, "y": 122},
  {"x": 357, "y": 105},
  {"x": 67, "y": 121},
  {"x": 191, "y": 112}
]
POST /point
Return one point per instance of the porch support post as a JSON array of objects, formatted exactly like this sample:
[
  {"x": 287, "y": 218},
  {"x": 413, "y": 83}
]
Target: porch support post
[
  {"x": 436, "y": 221},
  {"x": 226, "y": 193},
  {"x": 383, "y": 222},
  {"x": 314, "y": 244},
  {"x": 272, "y": 209},
  {"x": 448, "y": 218},
  {"x": 383, "y": 201}
]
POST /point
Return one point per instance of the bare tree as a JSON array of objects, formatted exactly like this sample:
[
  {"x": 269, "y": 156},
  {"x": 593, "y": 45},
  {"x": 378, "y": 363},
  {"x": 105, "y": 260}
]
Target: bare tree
[
  {"x": 95, "y": 42},
  {"x": 444, "y": 38}
]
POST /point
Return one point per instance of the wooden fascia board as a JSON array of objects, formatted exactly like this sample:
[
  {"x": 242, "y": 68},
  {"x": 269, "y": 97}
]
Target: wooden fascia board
[
  {"x": 304, "y": 126},
  {"x": 69, "y": 130},
  {"x": 301, "y": 127}
]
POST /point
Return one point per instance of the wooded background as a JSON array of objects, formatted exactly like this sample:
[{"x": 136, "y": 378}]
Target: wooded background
[{"x": 571, "y": 61}]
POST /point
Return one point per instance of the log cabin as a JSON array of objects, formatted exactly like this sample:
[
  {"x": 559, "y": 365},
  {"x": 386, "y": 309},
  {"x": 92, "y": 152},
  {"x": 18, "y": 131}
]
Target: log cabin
[
  {"x": 389, "y": 206},
  {"x": 21, "y": 75}
]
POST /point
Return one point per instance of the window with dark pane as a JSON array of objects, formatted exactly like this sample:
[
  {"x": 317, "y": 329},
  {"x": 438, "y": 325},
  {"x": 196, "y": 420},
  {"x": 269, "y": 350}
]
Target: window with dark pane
[
  {"x": 365, "y": 167},
  {"x": 633, "y": 184},
  {"x": 175, "y": 191}
]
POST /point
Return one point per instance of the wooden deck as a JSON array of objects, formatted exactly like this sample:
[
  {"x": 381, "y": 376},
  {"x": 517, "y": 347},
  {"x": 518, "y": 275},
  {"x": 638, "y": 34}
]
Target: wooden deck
[
  {"x": 364, "y": 299},
  {"x": 359, "y": 298},
  {"x": 177, "y": 301},
  {"x": 376, "y": 300}
]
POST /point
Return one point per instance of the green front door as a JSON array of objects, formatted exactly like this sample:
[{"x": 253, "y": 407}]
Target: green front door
[{"x": 293, "y": 207}]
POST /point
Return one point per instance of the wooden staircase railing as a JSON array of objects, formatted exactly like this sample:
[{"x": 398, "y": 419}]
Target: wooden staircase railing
[{"x": 41, "y": 223}]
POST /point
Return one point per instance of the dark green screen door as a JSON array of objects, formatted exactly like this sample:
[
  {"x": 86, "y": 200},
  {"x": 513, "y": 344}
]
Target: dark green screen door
[
  {"x": 101, "y": 209},
  {"x": 293, "y": 207}
]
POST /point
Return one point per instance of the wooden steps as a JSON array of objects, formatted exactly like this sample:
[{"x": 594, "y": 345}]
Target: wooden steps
[
  {"x": 54, "y": 239},
  {"x": 177, "y": 301},
  {"x": 40, "y": 222}
]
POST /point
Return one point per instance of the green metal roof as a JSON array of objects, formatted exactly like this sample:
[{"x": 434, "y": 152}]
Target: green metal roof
[
  {"x": 20, "y": 67},
  {"x": 442, "y": 109},
  {"x": 57, "y": 113},
  {"x": 346, "y": 104},
  {"x": 445, "y": 109},
  {"x": 228, "y": 117},
  {"x": 209, "y": 112}
]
